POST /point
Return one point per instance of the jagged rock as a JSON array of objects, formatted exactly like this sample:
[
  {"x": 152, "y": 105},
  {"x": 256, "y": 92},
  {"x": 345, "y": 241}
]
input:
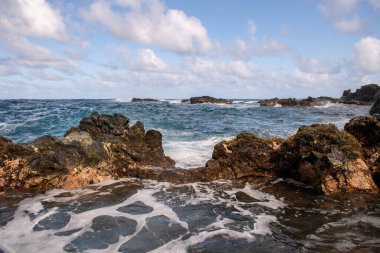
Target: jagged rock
[
  {"x": 310, "y": 101},
  {"x": 367, "y": 130},
  {"x": 326, "y": 158},
  {"x": 144, "y": 100},
  {"x": 208, "y": 99},
  {"x": 365, "y": 95},
  {"x": 375, "y": 109},
  {"x": 101, "y": 147},
  {"x": 246, "y": 155}
]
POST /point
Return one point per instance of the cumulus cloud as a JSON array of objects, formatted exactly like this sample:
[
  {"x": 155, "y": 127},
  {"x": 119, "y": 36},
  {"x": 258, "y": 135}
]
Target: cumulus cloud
[
  {"x": 150, "y": 22},
  {"x": 340, "y": 13},
  {"x": 352, "y": 25},
  {"x": 147, "y": 61},
  {"x": 319, "y": 67},
  {"x": 31, "y": 55},
  {"x": 35, "y": 18},
  {"x": 375, "y": 3},
  {"x": 251, "y": 28},
  {"x": 337, "y": 8},
  {"x": 367, "y": 55},
  {"x": 266, "y": 47}
]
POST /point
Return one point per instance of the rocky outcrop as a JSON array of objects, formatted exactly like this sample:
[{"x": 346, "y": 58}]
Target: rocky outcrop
[
  {"x": 326, "y": 158},
  {"x": 245, "y": 156},
  {"x": 106, "y": 147},
  {"x": 310, "y": 101},
  {"x": 208, "y": 99},
  {"x": 365, "y": 95},
  {"x": 144, "y": 100},
  {"x": 375, "y": 109},
  {"x": 101, "y": 147},
  {"x": 367, "y": 130}
]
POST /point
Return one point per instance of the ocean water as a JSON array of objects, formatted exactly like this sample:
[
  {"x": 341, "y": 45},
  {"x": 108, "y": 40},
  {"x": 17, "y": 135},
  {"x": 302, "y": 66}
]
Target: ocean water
[{"x": 132, "y": 215}]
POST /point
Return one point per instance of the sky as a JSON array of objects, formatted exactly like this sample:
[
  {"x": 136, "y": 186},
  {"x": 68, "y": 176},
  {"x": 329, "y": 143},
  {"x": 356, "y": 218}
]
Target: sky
[{"x": 179, "y": 48}]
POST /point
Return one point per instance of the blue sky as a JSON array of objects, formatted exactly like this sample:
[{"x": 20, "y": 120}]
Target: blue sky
[{"x": 181, "y": 48}]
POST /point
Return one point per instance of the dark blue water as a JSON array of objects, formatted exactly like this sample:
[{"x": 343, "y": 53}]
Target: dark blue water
[{"x": 132, "y": 215}]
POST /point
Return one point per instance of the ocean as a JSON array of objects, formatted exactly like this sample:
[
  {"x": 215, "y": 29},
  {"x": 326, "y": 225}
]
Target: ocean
[{"x": 132, "y": 215}]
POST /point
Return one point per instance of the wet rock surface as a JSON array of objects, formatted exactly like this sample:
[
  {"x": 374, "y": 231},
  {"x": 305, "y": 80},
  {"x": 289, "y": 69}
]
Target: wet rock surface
[
  {"x": 365, "y": 95},
  {"x": 310, "y": 101}
]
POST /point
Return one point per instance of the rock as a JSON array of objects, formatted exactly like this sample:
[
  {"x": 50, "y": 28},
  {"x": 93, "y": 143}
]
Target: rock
[
  {"x": 367, "y": 130},
  {"x": 375, "y": 109},
  {"x": 246, "y": 155},
  {"x": 365, "y": 95},
  {"x": 208, "y": 99},
  {"x": 310, "y": 101},
  {"x": 100, "y": 148},
  {"x": 327, "y": 159},
  {"x": 4, "y": 141},
  {"x": 144, "y": 100}
]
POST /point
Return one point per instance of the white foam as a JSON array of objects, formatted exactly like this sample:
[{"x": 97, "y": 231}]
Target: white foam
[
  {"x": 191, "y": 154},
  {"x": 171, "y": 101},
  {"x": 27, "y": 240},
  {"x": 277, "y": 105},
  {"x": 327, "y": 105},
  {"x": 123, "y": 100}
]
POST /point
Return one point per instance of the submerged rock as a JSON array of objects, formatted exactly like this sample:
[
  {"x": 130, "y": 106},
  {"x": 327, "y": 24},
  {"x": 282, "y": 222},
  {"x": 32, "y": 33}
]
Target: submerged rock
[
  {"x": 208, "y": 99},
  {"x": 310, "y": 101},
  {"x": 326, "y": 158},
  {"x": 101, "y": 147},
  {"x": 365, "y": 95}
]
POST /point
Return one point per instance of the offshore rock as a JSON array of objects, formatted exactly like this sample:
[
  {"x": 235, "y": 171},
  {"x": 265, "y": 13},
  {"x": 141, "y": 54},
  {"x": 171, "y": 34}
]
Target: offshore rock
[
  {"x": 208, "y": 99},
  {"x": 326, "y": 158},
  {"x": 101, "y": 147},
  {"x": 310, "y": 101},
  {"x": 365, "y": 95},
  {"x": 245, "y": 156},
  {"x": 367, "y": 130}
]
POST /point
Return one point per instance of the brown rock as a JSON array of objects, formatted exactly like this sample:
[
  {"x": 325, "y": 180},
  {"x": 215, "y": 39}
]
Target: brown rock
[
  {"x": 367, "y": 130},
  {"x": 208, "y": 99},
  {"x": 246, "y": 155},
  {"x": 327, "y": 159}
]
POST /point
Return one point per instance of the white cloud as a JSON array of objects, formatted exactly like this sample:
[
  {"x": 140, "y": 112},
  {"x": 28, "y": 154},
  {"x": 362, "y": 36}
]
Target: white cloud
[
  {"x": 147, "y": 61},
  {"x": 266, "y": 47},
  {"x": 337, "y": 8},
  {"x": 151, "y": 23},
  {"x": 375, "y": 3},
  {"x": 367, "y": 55},
  {"x": 352, "y": 25},
  {"x": 251, "y": 28},
  {"x": 35, "y": 18},
  {"x": 31, "y": 55},
  {"x": 47, "y": 75},
  {"x": 313, "y": 66},
  {"x": 310, "y": 78},
  {"x": 6, "y": 70}
]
